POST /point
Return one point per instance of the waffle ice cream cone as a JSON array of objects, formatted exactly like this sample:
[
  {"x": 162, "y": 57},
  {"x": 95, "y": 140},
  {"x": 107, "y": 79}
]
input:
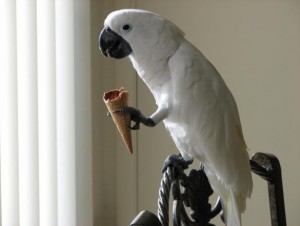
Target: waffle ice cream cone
[{"x": 114, "y": 100}]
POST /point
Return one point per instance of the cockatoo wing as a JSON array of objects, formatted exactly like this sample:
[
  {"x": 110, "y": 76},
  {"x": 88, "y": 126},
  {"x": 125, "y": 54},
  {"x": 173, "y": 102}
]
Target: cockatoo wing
[{"x": 207, "y": 112}]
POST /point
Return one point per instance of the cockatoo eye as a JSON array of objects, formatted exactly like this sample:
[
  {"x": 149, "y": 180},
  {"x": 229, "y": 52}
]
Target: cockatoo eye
[{"x": 126, "y": 27}]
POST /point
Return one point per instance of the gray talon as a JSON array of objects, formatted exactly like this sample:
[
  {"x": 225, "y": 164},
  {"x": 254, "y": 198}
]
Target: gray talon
[
  {"x": 136, "y": 116},
  {"x": 177, "y": 161}
]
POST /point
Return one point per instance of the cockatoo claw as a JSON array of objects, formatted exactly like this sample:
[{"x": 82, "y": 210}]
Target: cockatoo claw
[
  {"x": 176, "y": 161},
  {"x": 137, "y": 117}
]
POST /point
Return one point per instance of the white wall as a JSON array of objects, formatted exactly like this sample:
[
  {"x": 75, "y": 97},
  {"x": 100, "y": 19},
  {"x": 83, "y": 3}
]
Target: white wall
[{"x": 255, "y": 45}]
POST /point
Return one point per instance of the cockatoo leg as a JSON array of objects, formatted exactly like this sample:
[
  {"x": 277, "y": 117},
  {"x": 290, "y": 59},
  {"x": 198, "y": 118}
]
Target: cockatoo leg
[
  {"x": 137, "y": 117},
  {"x": 176, "y": 161}
]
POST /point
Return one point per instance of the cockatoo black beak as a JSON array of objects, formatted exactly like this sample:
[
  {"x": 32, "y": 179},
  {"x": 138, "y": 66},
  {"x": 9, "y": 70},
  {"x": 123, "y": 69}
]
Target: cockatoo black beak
[{"x": 113, "y": 45}]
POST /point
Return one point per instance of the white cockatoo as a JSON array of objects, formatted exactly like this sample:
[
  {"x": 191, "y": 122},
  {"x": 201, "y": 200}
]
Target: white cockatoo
[{"x": 193, "y": 101}]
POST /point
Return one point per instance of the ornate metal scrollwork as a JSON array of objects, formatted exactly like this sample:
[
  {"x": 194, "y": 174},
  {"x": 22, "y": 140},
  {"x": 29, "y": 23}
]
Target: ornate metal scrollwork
[{"x": 193, "y": 191}]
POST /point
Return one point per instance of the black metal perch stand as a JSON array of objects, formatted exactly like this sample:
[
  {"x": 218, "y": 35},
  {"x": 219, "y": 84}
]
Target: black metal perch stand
[{"x": 193, "y": 191}]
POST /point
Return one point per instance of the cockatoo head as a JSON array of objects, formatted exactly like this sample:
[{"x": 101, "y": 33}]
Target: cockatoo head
[{"x": 138, "y": 33}]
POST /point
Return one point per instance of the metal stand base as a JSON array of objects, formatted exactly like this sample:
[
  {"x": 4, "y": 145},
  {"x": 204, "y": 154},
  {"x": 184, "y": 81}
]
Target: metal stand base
[{"x": 193, "y": 191}]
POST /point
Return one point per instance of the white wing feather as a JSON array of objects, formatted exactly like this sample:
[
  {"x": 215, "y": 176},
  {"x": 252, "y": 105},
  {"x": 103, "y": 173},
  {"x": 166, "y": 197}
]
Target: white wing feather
[{"x": 205, "y": 124}]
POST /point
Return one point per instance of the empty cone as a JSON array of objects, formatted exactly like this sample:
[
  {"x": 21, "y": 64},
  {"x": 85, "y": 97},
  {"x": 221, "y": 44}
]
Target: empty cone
[{"x": 115, "y": 100}]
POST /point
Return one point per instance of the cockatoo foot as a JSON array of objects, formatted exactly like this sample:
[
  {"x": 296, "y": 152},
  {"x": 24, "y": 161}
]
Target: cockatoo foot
[
  {"x": 176, "y": 161},
  {"x": 137, "y": 117}
]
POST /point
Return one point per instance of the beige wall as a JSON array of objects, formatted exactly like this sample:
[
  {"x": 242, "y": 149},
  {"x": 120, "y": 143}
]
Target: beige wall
[
  {"x": 104, "y": 166},
  {"x": 255, "y": 45}
]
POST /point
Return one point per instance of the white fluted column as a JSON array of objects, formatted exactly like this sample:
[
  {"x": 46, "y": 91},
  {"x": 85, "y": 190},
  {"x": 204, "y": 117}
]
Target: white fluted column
[
  {"x": 9, "y": 116},
  {"x": 47, "y": 112}
]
